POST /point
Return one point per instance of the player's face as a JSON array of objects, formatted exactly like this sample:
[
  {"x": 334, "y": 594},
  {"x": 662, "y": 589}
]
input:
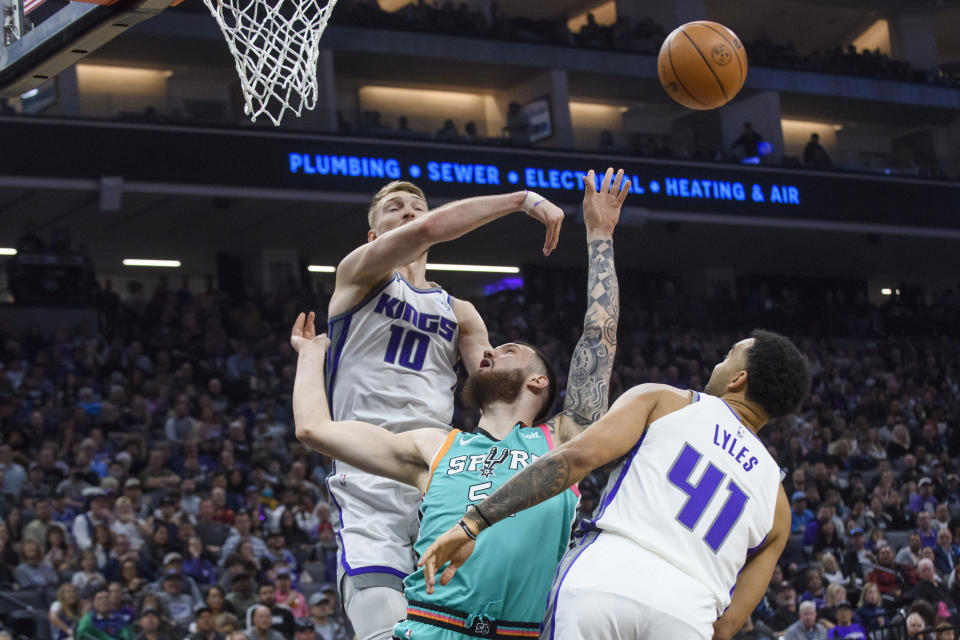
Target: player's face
[
  {"x": 398, "y": 209},
  {"x": 505, "y": 357},
  {"x": 726, "y": 371}
]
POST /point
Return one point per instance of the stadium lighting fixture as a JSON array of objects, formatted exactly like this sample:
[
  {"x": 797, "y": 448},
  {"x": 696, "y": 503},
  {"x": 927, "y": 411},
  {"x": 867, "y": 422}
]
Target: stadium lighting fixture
[
  {"x": 8, "y": 251},
  {"x": 321, "y": 268},
  {"x": 476, "y": 268},
  {"x": 138, "y": 262}
]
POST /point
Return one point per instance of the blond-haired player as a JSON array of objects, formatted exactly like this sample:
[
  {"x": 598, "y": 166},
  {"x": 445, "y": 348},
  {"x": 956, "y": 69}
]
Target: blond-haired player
[{"x": 396, "y": 339}]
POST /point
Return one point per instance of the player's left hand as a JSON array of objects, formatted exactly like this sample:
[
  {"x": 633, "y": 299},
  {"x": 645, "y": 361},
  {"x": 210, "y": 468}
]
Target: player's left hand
[
  {"x": 303, "y": 335},
  {"x": 601, "y": 209},
  {"x": 454, "y": 547}
]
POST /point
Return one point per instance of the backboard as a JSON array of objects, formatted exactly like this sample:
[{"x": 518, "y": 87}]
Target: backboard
[{"x": 41, "y": 38}]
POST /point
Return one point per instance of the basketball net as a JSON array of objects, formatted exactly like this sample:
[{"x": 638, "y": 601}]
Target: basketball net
[{"x": 275, "y": 44}]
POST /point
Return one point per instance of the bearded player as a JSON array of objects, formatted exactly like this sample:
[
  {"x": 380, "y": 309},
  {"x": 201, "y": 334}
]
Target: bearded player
[
  {"x": 514, "y": 387},
  {"x": 692, "y": 523},
  {"x": 396, "y": 340}
]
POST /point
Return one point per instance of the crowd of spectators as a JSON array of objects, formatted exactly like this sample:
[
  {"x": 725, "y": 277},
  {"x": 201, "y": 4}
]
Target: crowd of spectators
[{"x": 152, "y": 487}]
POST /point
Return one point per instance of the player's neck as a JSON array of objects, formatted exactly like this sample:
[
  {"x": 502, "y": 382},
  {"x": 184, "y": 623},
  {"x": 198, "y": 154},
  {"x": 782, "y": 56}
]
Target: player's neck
[
  {"x": 416, "y": 272},
  {"x": 499, "y": 418},
  {"x": 748, "y": 413}
]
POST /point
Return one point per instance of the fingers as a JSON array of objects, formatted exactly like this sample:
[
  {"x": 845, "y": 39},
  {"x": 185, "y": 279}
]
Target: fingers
[
  {"x": 590, "y": 183},
  {"x": 310, "y": 328},
  {"x": 448, "y": 574},
  {"x": 623, "y": 192},
  {"x": 429, "y": 573},
  {"x": 617, "y": 181},
  {"x": 607, "y": 177},
  {"x": 298, "y": 326},
  {"x": 553, "y": 234}
]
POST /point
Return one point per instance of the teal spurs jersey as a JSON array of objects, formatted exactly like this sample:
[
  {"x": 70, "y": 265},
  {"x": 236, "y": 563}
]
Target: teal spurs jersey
[{"x": 508, "y": 577}]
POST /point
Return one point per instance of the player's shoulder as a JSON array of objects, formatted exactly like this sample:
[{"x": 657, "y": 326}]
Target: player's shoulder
[{"x": 661, "y": 399}]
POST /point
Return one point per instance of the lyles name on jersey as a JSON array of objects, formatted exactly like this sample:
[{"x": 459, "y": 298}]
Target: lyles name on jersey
[
  {"x": 427, "y": 322},
  {"x": 731, "y": 444}
]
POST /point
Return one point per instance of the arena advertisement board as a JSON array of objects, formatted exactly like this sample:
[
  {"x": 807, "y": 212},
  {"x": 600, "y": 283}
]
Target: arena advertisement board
[{"x": 181, "y": 155}]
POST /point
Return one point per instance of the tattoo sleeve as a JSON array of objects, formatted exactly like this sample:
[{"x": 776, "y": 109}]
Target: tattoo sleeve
[
  {"x": 538, "y": 482},
  {"x": 588, "y": 382}
]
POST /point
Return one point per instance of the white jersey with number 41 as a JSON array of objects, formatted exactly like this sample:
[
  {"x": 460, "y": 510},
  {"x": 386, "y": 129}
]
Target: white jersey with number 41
[{"x": 699, "y": 490}]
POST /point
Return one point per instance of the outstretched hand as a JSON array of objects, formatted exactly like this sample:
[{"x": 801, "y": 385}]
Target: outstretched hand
[
  {"x": 454, "y": 546},
  {"x": 303, "y": 335},
  {"x": 601, "y": 209},
  {"x": 552, "y": 218}
]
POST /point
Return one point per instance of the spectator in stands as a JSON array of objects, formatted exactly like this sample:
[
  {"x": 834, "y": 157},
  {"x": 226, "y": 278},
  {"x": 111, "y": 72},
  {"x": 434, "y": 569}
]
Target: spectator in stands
[
  {"x": 910, "y": 554},
  {"x": 846, "y": 627},
  {"x": 13, "y": 473},
  {"x": 282, "y": 618},
  {"x": 261, "y": 625},
  {"x": 150, "y": 626},
  {"x": 801, "y": 516},
  {"x": 748, "y": 142},
  {"x": 241, "y": 596},
  {"x": 33, "y": 572},
  {"x": 88, "y": 580},
  {"x": 807, "y": 627},
  {"x": 945, "y": 553},
  {"x": 915, "y": 625},
  {"x": 870, "y": 614},
  {"x": 886, "y": 575},
  {"x": 84, "y": 525},
  {"x": 927, "y": 587},
  {"x": 815, "y": 156},
  {"x": 37, "y": 529},
  {"x": 65, "y": 612},
  {"x": 212, "y": 533},
  {"x": 923, "y": 499},
  {"x": 827, "y": 615},
  {"x": 204, "y": 620},
  {"x": 197, "y": 566},
  {"x": 242, "y": 533},
  {"x": 941, "y": 516},
  {"x": 813, "y": 582},
  {"x": 177, "y": 599},
  {"x": 305, "y": 629},
  {"x": 518, "y": 125},
  {"x": 928, "y": 535},
  {"x": 286, "y": 595},
  {"x": 217, "y": 602},
  {"x": 448, "y": 133},
  {"x": 100, "y": 623},
  {"x": 828, "y": 540},
  {"x": 125, "y": 522},
  {"x": 324, "y": 621},
  {"x": 831, "y": 570}
]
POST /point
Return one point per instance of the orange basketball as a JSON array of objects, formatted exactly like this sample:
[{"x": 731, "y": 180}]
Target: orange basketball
[{"x": 702, "y": 65}]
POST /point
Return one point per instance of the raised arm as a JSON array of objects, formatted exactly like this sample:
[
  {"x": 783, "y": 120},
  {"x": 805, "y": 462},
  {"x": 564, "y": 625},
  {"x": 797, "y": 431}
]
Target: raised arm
[
  {"x": 473, "y": 340},
  {"x": 607, "y": 440},
  {"x": 370, "y": 263},
  {"x": 404, "y": 457},
  {"x": 753, "y": 581},
  {"x": 588, "y": 382}
]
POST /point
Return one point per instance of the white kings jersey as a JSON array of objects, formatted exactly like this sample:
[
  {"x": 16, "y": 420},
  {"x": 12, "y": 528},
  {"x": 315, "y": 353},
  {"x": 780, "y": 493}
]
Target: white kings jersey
[
  {"x": 699, "y": 490},
  {"x": 392, "y": 358}
]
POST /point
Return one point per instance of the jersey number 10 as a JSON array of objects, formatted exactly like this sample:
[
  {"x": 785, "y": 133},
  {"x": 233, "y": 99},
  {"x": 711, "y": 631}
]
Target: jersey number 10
[
  {"x": 702, "y": 494},
  {"x": 412, "y": 348}
]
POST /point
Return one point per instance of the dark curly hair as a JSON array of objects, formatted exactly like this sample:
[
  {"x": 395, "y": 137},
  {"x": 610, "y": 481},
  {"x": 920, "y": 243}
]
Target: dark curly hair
[{"x": 778, "y": 376}]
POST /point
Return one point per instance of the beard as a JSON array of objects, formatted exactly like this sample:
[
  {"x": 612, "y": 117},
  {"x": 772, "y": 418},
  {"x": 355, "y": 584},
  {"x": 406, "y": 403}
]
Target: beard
[{"x": 486, "y": 387}]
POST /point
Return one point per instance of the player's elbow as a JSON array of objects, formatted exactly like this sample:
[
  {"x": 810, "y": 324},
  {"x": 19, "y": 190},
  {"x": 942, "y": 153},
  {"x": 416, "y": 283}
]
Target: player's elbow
[{"x": 308, "y": 435}]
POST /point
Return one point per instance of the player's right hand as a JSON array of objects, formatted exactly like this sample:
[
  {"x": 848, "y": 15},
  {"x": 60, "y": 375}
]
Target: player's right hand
[
  {"x": 454, "y": 547},
  {"x": 304, "y": 334},
  {"x": 601, "y": 209},
  {"x": 552, "y": 217}
]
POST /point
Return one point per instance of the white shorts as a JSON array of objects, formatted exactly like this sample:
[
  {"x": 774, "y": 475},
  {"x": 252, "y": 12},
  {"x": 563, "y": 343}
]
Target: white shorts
[
  {"x": 609, "y": 588},
  {"x": 376, "y": 521}
]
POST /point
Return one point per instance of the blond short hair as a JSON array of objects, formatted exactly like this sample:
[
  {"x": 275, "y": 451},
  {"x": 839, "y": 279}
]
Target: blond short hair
[{"x": 393, "y": 187}]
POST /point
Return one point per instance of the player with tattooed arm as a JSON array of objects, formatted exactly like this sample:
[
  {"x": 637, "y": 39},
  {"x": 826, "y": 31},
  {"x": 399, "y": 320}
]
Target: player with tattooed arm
[
  {"x": 514, "y": 388},
  {"x": 696, "y": 501}
]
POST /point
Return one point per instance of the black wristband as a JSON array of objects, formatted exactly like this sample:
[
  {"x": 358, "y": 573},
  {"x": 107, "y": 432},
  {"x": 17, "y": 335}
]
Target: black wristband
[
  {"x": 466, "y": 529},
  {"x": 482, "y": 517}
]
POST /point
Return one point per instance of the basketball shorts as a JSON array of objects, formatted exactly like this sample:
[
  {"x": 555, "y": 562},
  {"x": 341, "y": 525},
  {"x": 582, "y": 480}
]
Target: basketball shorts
[
  {"x": 609, "y": 588},
  {"x": 376, "y": 522}
]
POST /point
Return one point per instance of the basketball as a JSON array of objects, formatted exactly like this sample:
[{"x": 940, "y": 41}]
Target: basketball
[{"x": 702, "y": 65}]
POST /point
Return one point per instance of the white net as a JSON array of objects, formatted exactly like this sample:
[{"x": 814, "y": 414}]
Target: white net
[{"x": 275, "y": 44}]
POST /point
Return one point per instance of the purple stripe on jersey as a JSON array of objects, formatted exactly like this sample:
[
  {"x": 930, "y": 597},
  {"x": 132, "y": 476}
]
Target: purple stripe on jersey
[
  {"x": 751, "y": 550},
  {"x": 350, "y": 571},
  {"x": 552, "y": 611},
  {"x": 338, "y": 351},
  {"x": 608, "y": 498}
]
